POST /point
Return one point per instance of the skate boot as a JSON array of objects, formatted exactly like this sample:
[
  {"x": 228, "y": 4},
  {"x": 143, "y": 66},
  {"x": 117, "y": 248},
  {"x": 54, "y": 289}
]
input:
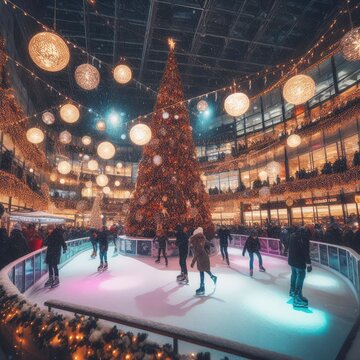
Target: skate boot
[
  {"x": 93, "y": 254},
  {"x": 56, "y": 282},
  {"x": 49, "y": 281},
  {"x": 157, "y": 261},
  {"x": 200, "y": 290},
  {"x": 228, "y": 261},
  {"x": 101, "y": 267},
  {"x": 251, "y": 273},
  {"x": 180, "y": 277},
  {"x": 262, "y": 269},
  {"x": 105, "y": 266},
  {"x": 300, "y": 301},
  {"x": 214, "y": 279},
  {"x": 166, "y": 262},
  {"x": 292, "y": 293},
  {"x": 185, "y": 279}
]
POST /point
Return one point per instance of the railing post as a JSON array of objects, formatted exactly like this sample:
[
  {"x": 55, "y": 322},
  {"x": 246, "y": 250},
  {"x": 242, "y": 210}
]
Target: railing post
[{"x": 175, "y": 345}]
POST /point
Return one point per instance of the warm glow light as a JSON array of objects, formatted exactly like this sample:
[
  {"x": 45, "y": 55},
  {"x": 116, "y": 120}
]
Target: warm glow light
[
  {"x": 86, "y": 192},
  {"x": 264, "y": 193},
  {"x": 87, "y": 76},
  {"x": 106, "y": 190},
  {"x": 102, "y": 180},
  {"x": 86, "y": 140},
  {"x": 202, "y": 105},
  {"x": 48, "y": 118},
  {"x": 140, "y": 134},
  {"x": 53, "y": 177},
  {"x": 293, "y": 140},
  {"x": 273, "y": 168},
  {"x": 299, "y": 89},
  {"x": 106, "y": 150},
  {"x": 117, "y": 183},
  {"x": 62, "y": 181},
  {"x": 119, "y": 165},
  {"x": 65, "y": 137},
  {"x": 88, "y": 184},
  {"x": 350, "y": 45},
  {"x": 263, "y": 175},
  {"x": 93, "y": 165},
  {"x": 237, "y": 104},
  {"x": 35, "y": 135},
  {"x": 64, "y": 167},
  {"x": 100, "y": 125},
  {"x": 122, "y": 74},
  {"x": 49, "y": 51},
  {"x": 69, "y": 113}
]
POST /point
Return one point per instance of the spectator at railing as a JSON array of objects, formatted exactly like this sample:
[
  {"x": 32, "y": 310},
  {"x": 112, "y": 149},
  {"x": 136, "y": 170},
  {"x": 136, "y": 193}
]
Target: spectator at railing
[
  {"x": 356, "y": 160},
  {"x": 6, "y": 161},
  {"x": 18, "y": 245},
  {"x": 4, "y": 248},
  {"x": 333, "y": 233}
]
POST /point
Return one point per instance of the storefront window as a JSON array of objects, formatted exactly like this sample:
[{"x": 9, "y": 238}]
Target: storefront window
[{"x": 331, "y": 152}]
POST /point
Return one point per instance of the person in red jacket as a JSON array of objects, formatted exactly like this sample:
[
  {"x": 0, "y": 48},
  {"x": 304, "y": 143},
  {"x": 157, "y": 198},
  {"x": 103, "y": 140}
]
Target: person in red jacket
[{"x": 34, "y": 239}]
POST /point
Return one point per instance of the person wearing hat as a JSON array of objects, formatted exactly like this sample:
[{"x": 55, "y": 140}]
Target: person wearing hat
[
  {"x": 252, "y": 245},
  {"x": 201, "y": 258},
  {"x": 18, "y": 245}
]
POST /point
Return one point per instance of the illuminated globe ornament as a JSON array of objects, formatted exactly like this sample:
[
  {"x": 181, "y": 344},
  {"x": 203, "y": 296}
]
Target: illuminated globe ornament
[
  {"x": 100, "y": 125},
  {"x": 119, "y": 165},
  {"x": 263, "y": 175},
  {"x": 86, "y": 140},
  {"x": 157, "y": 160},
  {"x": 140, "y": 134},
  {"x": 88, "y": 184},
  {"x": 176, "y": 117},
  {"x": 64, "y": 167},
  {"x": 86, "y": 192},
  {"x": 299, "y": 89},
  {"x": 102, "y": 180},
  {"x": 236, "y": 104},
  {"x": 86, "y": 157},
  {"x": 65, "y": 137},
  {"x": 35, "y": 135},
  {"x": 106, "y": 150},
  {"x": 202, "y": 106},
  {"x": 273, "y": 168},
  {"x": 350, "y": 45},
  {"x": 93, "y": 165},
  {"x": 122, "y": 74},
  {"x": 62, "y": 181},
  {"x": 48, "y": 118},
  {"x": 69, "y": 113},
  {"x": 117, "y": 183},
  {"x": 87, "y": 76},
  {"x": 53, "y": 177},
  {"x": 106, "y": 190},
  {"x": 49, "y": 51},
  {"x": 165, "y": 115},
  {"x": 123, "y": 136},
  {"x": 293, "y": 140}
]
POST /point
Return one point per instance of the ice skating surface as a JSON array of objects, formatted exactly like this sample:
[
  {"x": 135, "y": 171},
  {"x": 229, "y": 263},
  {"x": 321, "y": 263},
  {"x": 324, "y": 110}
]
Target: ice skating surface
[{"x": 255, "y": 311}]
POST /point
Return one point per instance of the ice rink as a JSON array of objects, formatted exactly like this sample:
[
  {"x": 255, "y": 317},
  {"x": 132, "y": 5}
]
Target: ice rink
[{"x": 255, "y": 311}]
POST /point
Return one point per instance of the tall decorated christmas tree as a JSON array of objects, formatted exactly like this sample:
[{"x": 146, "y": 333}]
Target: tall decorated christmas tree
[
  {"x": 95, "y": 215},
  {"x": 169, "y": 189}
]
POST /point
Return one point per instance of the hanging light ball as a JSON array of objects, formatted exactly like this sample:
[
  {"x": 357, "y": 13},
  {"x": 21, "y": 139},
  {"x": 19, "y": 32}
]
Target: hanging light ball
[
  {"x": 62, "y": 181},
  {"x": 86, "y": 140},
  {"x": 93, "y": 165},
  {"x": 299, "y": 89},
  {"x": 65, "y": 137},
  {"x": 102, "y": 180},
  {"x": 350, "y": 45},
  {"x": 157, "y": 160},
  {"x": 86, "y": 157},
  {"x": 108, "y": 168},
  {"x": 293, "y": 141},
  {"x": 87, "y": 76},
  {"x": 165, "y": 115},
  {"x": 263, "y": 175},
  {"x": 106, "y": 190},
  {"x": 106, "y": 150},
  {"x": 273, "y": 168},
  {"x": 69, "y": 113},
  {"x": 140, "y": 134},
  {"x": 35, "y": 135},
  {"x": 100, "y": 125},
  {"x": 48, "y": 118},
  {"x": 88, "y": 184},
  {"x": 122, "y": 74},
  {"x": 49, "y": 51},
  {"x": 53, "y": 177},
  {"x": 86, "y": 192},
  {"x": 202, "y": 106},
  {"x": 119, "y": 165},
  {"x": 236, "y": 104},
  {"x": 64, "y": 167},
  {"x": 117, "y": 183}
]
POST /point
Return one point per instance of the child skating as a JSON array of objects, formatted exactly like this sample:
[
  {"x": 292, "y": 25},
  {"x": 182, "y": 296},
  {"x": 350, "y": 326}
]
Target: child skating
[
  {"x": 252, "y": 245},
  {"x": 201, "y": 258},
  {"x": 102, "y": 239},
  {"x": 162, "y": 239}
]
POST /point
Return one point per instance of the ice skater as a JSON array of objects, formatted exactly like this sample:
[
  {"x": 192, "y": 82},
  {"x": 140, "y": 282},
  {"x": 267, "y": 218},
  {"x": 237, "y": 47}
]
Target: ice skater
[
  {"x": 103, "y": 241},
  {"x": 162, "y": 239},
  {"x": 299, "y": 260},
  {"x": 201, "y": 258},
  {"x": 54, "y": 242},
  {"x": 93, "y": 240},
  {"x": 252, "y": 245},
  {"x": 224, "y": 237},
  {"x": 182, "y": 242}
]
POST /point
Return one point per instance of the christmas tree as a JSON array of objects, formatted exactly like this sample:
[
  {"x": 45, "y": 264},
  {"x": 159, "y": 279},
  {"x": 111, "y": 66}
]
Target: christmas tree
[
  {"x": 95, "y": 215},
  {"x": 169, "y": 190}
]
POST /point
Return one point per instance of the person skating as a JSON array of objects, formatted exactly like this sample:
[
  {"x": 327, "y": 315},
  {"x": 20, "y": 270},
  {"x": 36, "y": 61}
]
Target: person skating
[
  {"x": 224, "y": 237},
  {"x": 299, "y": 260},
  {"x": 252, "y": 245},
  {"x": 201, "y": 258},
  {"x": 182, "y": 242},
  {"x": 93, "y": 240},
  {"x": 162, "y": 239},
  {"x": 103, "y": 241},
  {"x": 54, "y": 242}
]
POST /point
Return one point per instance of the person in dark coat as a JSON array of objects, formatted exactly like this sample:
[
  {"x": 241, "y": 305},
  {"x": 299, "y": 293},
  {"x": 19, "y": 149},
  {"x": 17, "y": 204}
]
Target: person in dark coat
[
  {"x": 333, "y": 233},
  {"x": 201, "y": 258},
  {"x": 224, "y": 238},
  {"x": 347, "y": 237},
  {"x": 252, "y": 246},
  {"x": 54, "y": 242},
  {"x": 103, "y": 241},
  {"x": 284, "y": 240},
  {"x": 93, "y": 240},
  {"x": 162, "y": 239},
  {"x": 4, "y": 248},
  {"x": 182, "y": 242},
  {"x": 299, "y": 260},
  {"x": 18, "y": 245}
]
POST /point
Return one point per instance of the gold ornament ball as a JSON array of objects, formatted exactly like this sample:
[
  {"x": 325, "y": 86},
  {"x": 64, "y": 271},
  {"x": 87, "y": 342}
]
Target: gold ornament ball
[
  {"x": 140, "y": 134},
  {"x": 106, "y": 150},
  {"x": 122, "y": 74},
  {"x": 100, "y": 125},
  {"x": 87, "y": 76},
  {"x": 293, "y": 140},
  {"x": 65, "y": 137},
  {"x": 48, "y": 118},
  {"x": 202, "y": 106},
  {"x": 237, "y": 104},
  {"x": 117, "y": 183},
  {"x": 35, "y": 135},
  {"x": 350, "y": 45},
  {"x": 102, "y": 180},
  {"x": 49, "y": 51},
  {"x": 93, "y": 165},
  {"x": 64, "y": 167},
  {"x": 69, "y": 113},
  {"x": 157, "y": 160},
  {"x": 106, "y": 190},
  {"x": 299, "y": 89},
  {"x": 86, "y": 140}
]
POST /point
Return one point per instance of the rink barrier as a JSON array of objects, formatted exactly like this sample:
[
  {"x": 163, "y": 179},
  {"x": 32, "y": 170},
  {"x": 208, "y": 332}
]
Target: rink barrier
[
  {"x": 341, "y": 259},
  {"x": 175, "y": 333}
]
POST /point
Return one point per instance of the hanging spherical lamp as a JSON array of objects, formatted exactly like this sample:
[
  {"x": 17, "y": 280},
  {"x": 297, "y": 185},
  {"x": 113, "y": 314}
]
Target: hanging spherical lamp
[
  {"x": 117, "y": 183},
  {"x": 35, "y": 135},
  {"x": 293, "y": 141},
  {"x": 273, "y": 168},
  {"x": 102, "y": 180},
  {"x": 350, "y": 45},
  {"x": 236, "y": 104},
  {"x": 53, "y": 177},
  {"x": 49, "y": 51},
  {"x": 202, "y": 106},
  {"x": 119, "y": 165},
  {"x": 48, "y": 118},
  {"x": 62, "y": 181},
  {"x": 140, "y": 134},
  {"x": 93, "y": 165},
  {"x": 100, "y": 125},
  {"x": 157, "y": 160},
  {"x": 64, "y": 167},
  {"x": 86, "y": 192},
  {"x": 122, "y": 74},
  {"x": 106, "y": 190},
  {"x": 299, "y": 89},
  {"x": 88, "y": 184},
  {"x": 65, "y": 137},
  {"x": 86, "y": 140},
  {"x": 165, "y": 115},
  {"x": 87, "y": 76},
  {"x": 106, "y": 150},
  {"x": 69, "y": 113}
]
